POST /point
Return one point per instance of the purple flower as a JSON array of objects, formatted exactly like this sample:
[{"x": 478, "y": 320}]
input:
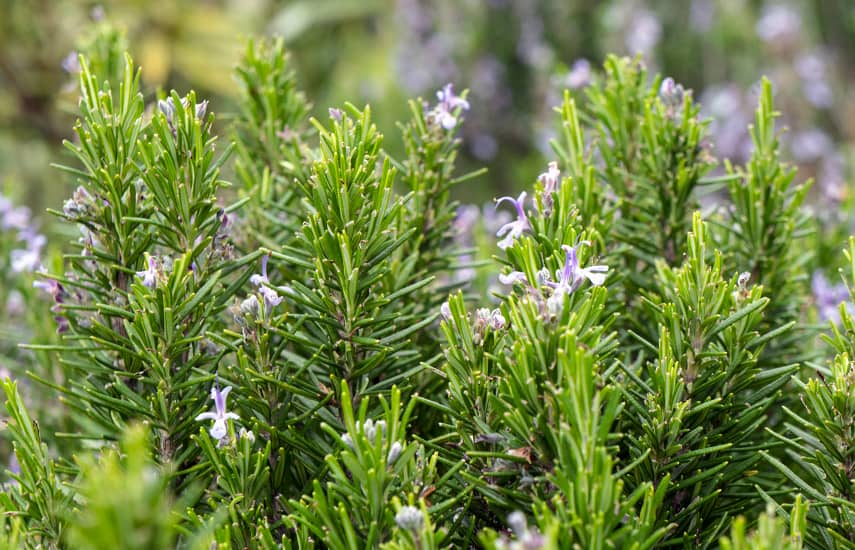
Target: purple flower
[
  {"x": 201, "y": 109},
  {"x": 551, "y": 178},
  {"x": 219, "y": 430},
  {"x": 810, "y": 145},
  {"x": 530, "y": 539},
  {"x": 167, "y": 107},
  {"x": 828, "y": 297},
  {"x": 335, "y": 114},
  {"x": 271, "y": 297},
  {"x": 16, "y": 218},
  {"x": 71, "y": 63},
  {"x": 448, "y": 102},
  {"x": 149, "y": 276},
  {"x": 512, "y": 277},
  {"x": 28, "y": 259},
  {"x": 261, "y": 279},
  {"x": 445, "y": 310},
  {"x": 52, "y": 287},
  {"x": 671, "y": 93},
  {"x": 572, "y": 276},
  {"x": 516, "y": 227},
  {"x": 579, "y": 75},
  {"x": 779, "y": 24},
  {"x": 643, "y": 32}
]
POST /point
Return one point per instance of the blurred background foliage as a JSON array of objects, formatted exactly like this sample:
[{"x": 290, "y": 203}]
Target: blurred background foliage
[{"x": 515, "y": 57}]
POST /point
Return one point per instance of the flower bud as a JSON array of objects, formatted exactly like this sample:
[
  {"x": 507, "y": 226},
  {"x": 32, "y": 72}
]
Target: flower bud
[
  {"x": 409, "y": 518},
  {"x": 250, "y": 305},
  {"x": 394, "y": 453}
]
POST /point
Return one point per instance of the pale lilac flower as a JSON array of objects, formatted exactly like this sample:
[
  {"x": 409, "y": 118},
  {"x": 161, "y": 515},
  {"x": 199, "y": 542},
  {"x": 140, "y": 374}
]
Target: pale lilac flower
[
  {"x": 167, "y": 107},
  {"x": 261, "y": 279},
  {"x": 201, "y": 109},
  {"x": 335, "y": 114},
  {"x": 219, "y": 430},
  {"x": 551, "y": 178},
  {"x": 149, "y": 276},
  {"x": 512, "y": 278},
  {"x": 497, "y": 320},
  {"x": 528, "y": 539},
  {"x": 671, "y": 94},
  {"x": 51, "y": 286},
  {"x": 572, "y": 276},
  {"x": 493, "y": 217},
  {"x": 445, "y": 311},
  {"x": 54, "y": 288},
  {"x": 514, "y": 228},
  {"x": 271, "y": 297},
  {"x": 448, "y": 102}
]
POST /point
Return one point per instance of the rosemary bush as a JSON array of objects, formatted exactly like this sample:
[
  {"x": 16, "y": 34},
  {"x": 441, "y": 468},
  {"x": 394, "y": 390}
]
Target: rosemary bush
[{"x": 302, "y": 357}]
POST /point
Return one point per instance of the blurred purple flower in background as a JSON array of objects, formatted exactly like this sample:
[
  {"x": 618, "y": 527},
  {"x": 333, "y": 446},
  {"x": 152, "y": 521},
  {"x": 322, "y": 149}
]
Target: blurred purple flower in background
[
  {"x": 828, "y": 298},
  {"x": 643, "y": 32},
  {"x": 812, "y": 68},
  {"x": 810, "y": 145},
  {"x": 731, "y": 113},
  {"x": 779, "y": 24},
  {"x": 579, "y": 75},
  {"x": 71, "y": 63}
]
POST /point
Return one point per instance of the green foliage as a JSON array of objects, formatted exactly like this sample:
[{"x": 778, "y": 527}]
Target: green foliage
[
  {"x": 137, "y": 348},
  {"x": 125, "y": 500},
  {"x": 38, "y": 498},
  {"x": 271, "y": 135},
  {"x": 621, "y": 391},
  {"x": 771, "y": 532},
  {"x": 696, "y": 408},
  {"x": 766, "y": 225},
  {"x": 819, "y": 438},
  {"x": 354, "y": 509}
]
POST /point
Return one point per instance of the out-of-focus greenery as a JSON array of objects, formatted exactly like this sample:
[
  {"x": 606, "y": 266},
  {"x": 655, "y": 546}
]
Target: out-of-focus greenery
[{"x": 514, "y": 56}]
